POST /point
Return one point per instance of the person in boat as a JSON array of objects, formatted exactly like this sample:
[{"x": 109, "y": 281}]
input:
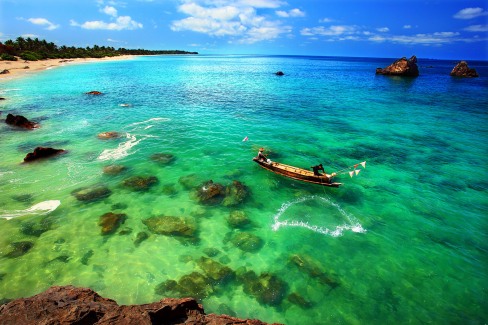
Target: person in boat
[
  {"x": 316, "y": 170},
  {"x": 261, "y": 155}
]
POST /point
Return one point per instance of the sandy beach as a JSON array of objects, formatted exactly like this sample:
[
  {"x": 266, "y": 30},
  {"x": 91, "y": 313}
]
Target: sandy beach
[{"x": 21, "y": 68}]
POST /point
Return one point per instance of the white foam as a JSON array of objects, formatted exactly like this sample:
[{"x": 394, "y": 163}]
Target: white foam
[
  {"x": 351, "y": 223},
  {"x": 154, "y": 119},
  {"x": 39, "y": 208},
  {"x": 121, "y": 151}
]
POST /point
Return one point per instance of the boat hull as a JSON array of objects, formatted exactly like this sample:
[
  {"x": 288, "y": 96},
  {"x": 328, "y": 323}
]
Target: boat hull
[{"x": 297, "y": 173}]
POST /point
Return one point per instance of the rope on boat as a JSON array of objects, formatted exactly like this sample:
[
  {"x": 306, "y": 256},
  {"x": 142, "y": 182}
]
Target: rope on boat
[{"x": 352, "y": 172}]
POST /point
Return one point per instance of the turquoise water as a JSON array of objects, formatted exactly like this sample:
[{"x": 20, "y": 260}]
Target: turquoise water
[{"x": 404, "y": 241}]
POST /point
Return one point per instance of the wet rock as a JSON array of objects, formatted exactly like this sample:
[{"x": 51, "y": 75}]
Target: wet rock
[
  {"x": 462, "y": 70},
  {"x": 163, "y": 158},
  {"x": 235, "y": 194},
  {"x": 86, "y": 257},
  {"x": 108, "y": 135},
  {"x": 140, "y": 183},
  {"x": 238, "y": 219},
  {"x": 280, "y": 73},
  {"x": 5, "y": 71},
  {"x": 298, "y": 300},
  {"x": 109, "y": 222},
  {"x": 94, "y": 92},
  {"x": 267, "y": 288},
  {"x": 313, "y": 269},
  {"x": 401, "y": 67},
  {"x": 71, "y": 305},
  {"x": 141, "y": 236},
  {"x": 171, "y": 226},
  {"x": 114, "y": 169},
  {"x": 91, "y": 193},
  {"x": 247, "y": 241},
  {"x": 215, "y": 271},
  {"x": 210, "y": 193},
  {"x": 19, "y": 248},
  {"x": 41, "y": 153},
  {"x": 20, "y": 121}
]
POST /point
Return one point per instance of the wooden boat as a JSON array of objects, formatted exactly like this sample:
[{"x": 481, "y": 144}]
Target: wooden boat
[{"x": 297, "y": 173}]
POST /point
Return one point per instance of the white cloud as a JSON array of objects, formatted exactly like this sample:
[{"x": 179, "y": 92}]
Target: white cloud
[
  {"x": 325, "y": 20},
  {"x": 469, "y": 13},
  {"x": 383, "y": 29},
  {"x": 109, "y": 10},
  {"x": 238, "y": 19},
  {"x": 334, "y": 30},
  {"x": 477, "y": 28},
  {"x": 43, "y": 22},
  {"x": 407, "y": 26},
  {"x": 291, "y": 13},
  {"x": 121, "y": 23}
]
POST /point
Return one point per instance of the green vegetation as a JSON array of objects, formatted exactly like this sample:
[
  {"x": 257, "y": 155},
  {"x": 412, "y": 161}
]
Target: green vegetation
[{"x": 34, "y": 49}]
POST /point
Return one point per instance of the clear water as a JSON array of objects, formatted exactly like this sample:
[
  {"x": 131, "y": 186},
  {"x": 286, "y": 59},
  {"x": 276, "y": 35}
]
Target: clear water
[{"x": 404, "y": 241}]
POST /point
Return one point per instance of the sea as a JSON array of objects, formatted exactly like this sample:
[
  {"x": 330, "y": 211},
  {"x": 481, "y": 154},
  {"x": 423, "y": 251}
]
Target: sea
[{"x": 171, "y": 204}]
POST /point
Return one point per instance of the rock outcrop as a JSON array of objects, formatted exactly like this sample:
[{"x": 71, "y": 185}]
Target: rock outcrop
[
  {"x": 42, "y": 152},
  {"x": 20, "y": 121},
  {"x": 71, "y": 305},
  {"x": 280, "y": 73},
  {"x": 108, "y": 135},
  {"x": 93, "y": 92},
  {"x": 401, "y": 67},
  {"x": 462, "y": 70}
]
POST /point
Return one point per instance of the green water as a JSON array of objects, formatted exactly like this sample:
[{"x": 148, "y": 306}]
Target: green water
[{"x": 404, "y": 241}]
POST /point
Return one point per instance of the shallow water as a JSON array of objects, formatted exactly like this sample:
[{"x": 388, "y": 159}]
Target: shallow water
[{"x": 404, "y": 241}]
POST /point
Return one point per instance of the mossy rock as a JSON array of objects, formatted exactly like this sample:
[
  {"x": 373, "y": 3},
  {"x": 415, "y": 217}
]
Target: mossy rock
[
  {"x": 247, "y": 241},
  {"x": 19, "y": 248},
  {"x": 109, "y": 222},
  {"x": 169, "y": 190},
  {"x": 313, "y": 269},
  {"x": 163, "y": 158},
  {"x": 298, "y": 300},
  {"x": 141, "y": 236},
  {"x": 91, "y": 193},
  {"x": 235, "y": 194},
  {"x": 215, "y": 271},
  {"x": 114, "y": 169},
  {"x": 267, "y": 288},
  {"x": 37, "y": 226},
  {"x": 210, "y": 193},
  {"x": 171, "y": 226},
  {"x": 238, "y": 219},
  {"x": 190, "y": 181},
  {"x": 140, "y": 183},
  {"x": 191, "y": 285}
]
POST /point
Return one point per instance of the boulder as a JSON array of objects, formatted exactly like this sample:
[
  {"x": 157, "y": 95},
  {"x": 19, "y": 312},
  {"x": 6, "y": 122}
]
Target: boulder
[
  {"x": 238, "y": 219},
  {"x": 210, "y": 193},
  {"x": 42, "y": 152},
  {"x": 235, "y": 194},
  {"x": 267, "y": 288},
  {"x": 401, "y": 67},
  {"x": 140, "y": 183},
  {"x": 94, "y": 92},
  {"x": 5, "y": 71},
  {"x": 247, "y": 241},
  {"x": 109, "y": 222},
  {"x": 108, "y": 135},
  {"x": 71, "y": 305},
  {"x": 20, "y": 121},
  {"x": 171, "y": 226},
  {"x": 92, "y": 193},
  {"x": 114, "y": 169},
  {"x": 462, "y": 70},
  {"x": 216, "y": 272}
]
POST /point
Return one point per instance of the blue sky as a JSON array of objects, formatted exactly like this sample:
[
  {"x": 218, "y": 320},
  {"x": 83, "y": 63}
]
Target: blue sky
[{"x": 440, "y": 29}]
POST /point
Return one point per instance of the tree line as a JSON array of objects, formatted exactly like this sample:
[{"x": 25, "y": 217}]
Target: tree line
[{"x": 34, "y": 49}]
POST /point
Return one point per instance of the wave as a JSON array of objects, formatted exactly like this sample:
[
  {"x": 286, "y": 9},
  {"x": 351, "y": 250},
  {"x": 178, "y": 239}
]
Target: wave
[
  {"x": 351, "y": 223},
  {"x": 121, "y": 151},
  {"x": 154, "y": 119},
  {"x": 40, "y": 208}
]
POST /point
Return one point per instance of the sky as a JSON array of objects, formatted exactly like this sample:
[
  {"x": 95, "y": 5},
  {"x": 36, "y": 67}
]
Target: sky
[{"x": 434, "y": 29}]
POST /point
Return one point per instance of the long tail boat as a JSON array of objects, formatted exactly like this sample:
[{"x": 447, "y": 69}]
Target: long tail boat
[{"x": 297, "y": 173}]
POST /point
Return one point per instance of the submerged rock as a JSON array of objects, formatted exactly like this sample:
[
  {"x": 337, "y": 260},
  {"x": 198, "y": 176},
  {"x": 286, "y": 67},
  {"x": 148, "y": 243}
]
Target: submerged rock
[
  {"x": 37, "y": 226},
  {"x": 140, "y": 183},
  {"x": 191, "y": 285},
  {"x": 18, "y": 249},
  {"x": 267, "y": 288},
  {"x": 20, "y": 121},
  {"x": 190, "y": 181},
  {"x": 109, "y": 222},
  {"x": 462, "y": 70},
  {"x": 235, "y": 194},
  {"x": 401, "y": 67},
  {"x": 163, "y": 158},
  {"x": 91, "y": 193},
  {"x": 313, "y": 269},
  {"x": 298, "y": 300},
  {"x": 71, "y": 305},
  {"x": 238, "y": 219},
  {"x": 247, "y": 241},
  {"x": 108, "y": 135},
  {"x": 171, "y": 226},
  {"x": 141, "y": 236},
  {"x": 114, "y": 169},
  {"x": 94, "y": 92},
  {"x": 210, "y": 193},
  {"x": 86, "y": 257},
  {"x": 215, "y": 271},
  {"x": 41, "y": 153}
]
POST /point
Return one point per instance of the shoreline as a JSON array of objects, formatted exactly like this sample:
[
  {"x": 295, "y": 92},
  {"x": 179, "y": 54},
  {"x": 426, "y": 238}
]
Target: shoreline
[{"x": 18, "y": 68}]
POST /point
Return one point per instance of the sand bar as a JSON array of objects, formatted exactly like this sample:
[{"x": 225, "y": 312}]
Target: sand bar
[{"x": 18, "y": 68}]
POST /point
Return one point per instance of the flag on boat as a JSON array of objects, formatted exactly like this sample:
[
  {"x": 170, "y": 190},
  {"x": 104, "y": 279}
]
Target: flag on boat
[{"x": 356, "y": 171}]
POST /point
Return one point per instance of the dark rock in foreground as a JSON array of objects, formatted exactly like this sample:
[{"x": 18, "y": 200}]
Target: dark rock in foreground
[
  {"x": 462, "y": 70},
  {"x": 42, "y": 152},
  {"x": 401, "y": 67},
  {"x": 71, "y": 305},
  {"x": 20, "y": 121}
]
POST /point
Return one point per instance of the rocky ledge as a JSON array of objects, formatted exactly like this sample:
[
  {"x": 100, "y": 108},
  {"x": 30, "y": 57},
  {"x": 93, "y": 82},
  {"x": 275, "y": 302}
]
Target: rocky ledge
[
  {"x": 462, "y": 70},
  {"x": 72, "y": 305}
]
